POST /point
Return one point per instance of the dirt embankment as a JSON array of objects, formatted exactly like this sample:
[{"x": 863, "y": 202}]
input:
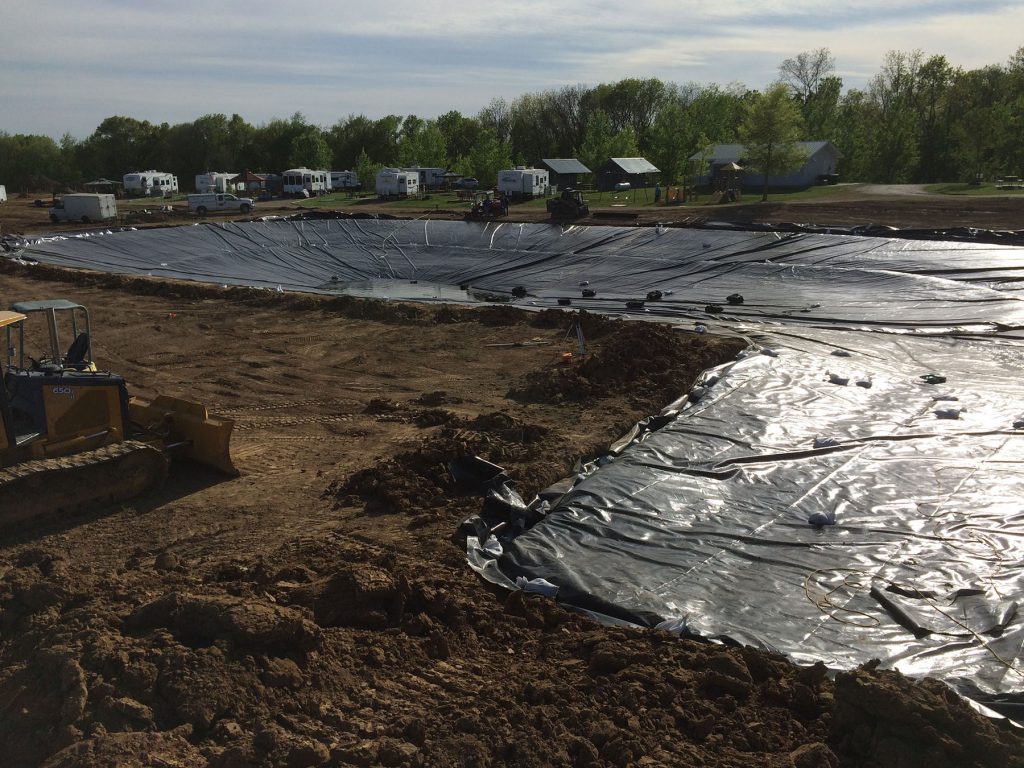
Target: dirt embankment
[{"x": 316, "y": 611}]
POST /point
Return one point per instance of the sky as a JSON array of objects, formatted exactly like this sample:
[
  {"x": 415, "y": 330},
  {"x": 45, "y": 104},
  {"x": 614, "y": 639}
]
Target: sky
[{"x": 65, "y": 66}]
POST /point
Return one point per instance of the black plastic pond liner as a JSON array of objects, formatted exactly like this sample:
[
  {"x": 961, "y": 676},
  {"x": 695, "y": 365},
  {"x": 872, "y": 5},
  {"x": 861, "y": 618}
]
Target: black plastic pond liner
[{"x": 850, "y": 489}]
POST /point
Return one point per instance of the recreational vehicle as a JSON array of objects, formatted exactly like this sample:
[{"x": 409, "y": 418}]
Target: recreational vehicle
[
  {"x": 303, "y": 182},
  {"x": 523, "y": 182},
  {"x": 394, "y": 182},
  {"x": 216, "y": 181},
  {"x": 430, "y": 178},
  {"x": 150, "y": 184},
  {"x": 84, "y": 207},
  {"x": 3, "y": 194},
  {"x": 344, "y": 180}
]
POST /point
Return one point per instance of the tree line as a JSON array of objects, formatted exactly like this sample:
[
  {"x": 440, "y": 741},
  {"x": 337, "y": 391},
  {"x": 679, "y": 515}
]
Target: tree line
[{"x": 920, "y": 119}]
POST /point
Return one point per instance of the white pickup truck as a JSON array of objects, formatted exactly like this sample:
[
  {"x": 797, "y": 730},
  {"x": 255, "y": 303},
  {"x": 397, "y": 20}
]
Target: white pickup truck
[{"x": 216, "y": 201}]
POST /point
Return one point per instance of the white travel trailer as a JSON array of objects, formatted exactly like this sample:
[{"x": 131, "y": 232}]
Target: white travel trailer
[
  {"x": 216, "y": 181},
  {"x": 84, "y": 207},
  {"x": 3, "y": 194},
  {"x": 394, "y": 182},
  {"x": 430, "y": 178},
  {"x": 523, "y": 182},
  {"x": 344, "y": 180},
  {"x": 150, "y": 184},
  {"x": 306, "y": 182}
]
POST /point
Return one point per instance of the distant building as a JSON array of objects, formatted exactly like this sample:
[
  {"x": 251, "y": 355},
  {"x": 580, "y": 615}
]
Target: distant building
[
  {"x": 635, "y": 171},
  {"x": 821, "y": 162},
  {"x": 565, "y": 172}
]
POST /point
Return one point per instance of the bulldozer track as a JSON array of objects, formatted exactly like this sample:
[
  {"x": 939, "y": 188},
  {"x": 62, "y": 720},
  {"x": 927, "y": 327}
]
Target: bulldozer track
[
  {"x": 222, "y": 409},
  {"x": 43, "y": 487},
  {"x": 269, "y": 422}
]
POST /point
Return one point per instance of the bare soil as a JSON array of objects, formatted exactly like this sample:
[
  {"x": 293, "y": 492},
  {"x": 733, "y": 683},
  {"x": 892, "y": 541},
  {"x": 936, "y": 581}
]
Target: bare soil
[{"x": 318, "y": 609}]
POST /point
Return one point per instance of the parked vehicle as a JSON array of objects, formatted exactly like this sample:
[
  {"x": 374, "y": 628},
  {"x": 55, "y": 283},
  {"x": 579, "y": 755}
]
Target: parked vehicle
[
  {"x": 344, "y": 180},
  {"x": 305, "y": 182},
  {"x": 3, "y": 194},
  {"x": 216, "y": 201},
  {"x": 150, "y": 184},
  {"x": 394, "y": 182},
  {"x": 430, "y": 178},
  {"x": 84, "y": 207},
  {"x": 523, "y": 182},
  {"x": 216, "y": 181},
  {"x": 467, "y": 182}
]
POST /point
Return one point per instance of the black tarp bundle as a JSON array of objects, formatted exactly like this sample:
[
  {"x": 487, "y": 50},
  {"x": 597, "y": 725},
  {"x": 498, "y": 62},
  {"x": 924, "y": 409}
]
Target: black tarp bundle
[{"x": 850, "y": 489}]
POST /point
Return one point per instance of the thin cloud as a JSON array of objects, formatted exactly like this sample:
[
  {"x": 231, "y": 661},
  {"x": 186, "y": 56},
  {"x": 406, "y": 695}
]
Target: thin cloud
[{"x": 67, "y": 66}]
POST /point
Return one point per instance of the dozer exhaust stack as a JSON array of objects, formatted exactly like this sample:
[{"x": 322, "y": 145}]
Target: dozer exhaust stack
[{"x": 186, "y": 428}]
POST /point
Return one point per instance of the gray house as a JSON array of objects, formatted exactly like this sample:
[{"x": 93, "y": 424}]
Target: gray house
[
  {"x": 635, "y": 171},
  {"x": 821, "y": 161},
  {"x": 565, "y": 172}
]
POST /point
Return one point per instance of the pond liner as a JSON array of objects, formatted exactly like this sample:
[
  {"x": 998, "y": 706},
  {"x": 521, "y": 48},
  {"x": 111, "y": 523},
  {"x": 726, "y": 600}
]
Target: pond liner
[{"x": 774, "y": 507}]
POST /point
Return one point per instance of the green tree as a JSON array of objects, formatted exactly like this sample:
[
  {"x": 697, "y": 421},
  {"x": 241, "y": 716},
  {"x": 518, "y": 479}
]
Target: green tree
[
  {"x": 459, "y": 133},
  {"x": 366, "y": 169},
  {"x": 893, "y": 94},
  {"x": 488, "y": 156},
  {"x": 770, "y": 133},
  {"x": 669, "y": 146},
  {"x": 309, "y": 150},
  {"x": 420, "y": 142},
  {"x": 30, "y": 162},
  {"x": 631, "y": 103},
  {"x": 118, "y": 146},
  {"x": 358, "y": 133}
]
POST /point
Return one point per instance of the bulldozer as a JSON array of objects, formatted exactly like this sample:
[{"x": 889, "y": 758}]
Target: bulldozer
[
  {"x": 71, "y": 437},
  {"x": 568, "y": 205}
]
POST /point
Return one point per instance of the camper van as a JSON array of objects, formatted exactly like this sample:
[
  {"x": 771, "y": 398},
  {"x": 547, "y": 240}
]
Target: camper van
[
  {"x": 150, "y": 184},
  {"x": 523, "y": 182},
  {"x": 216, "y": 181},
  {"x": 344, "y": 180},
  {"x": 303, "y": 182},
  {"x": 394, "y": 182},
  {"x": 83, "y": 207}
]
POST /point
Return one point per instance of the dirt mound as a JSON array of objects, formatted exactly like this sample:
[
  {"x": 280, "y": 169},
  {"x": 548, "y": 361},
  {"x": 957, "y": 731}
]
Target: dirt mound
[
  {"x": 418, "y": 481},
  {"x": 882, "y": 718},
  {"x": 648, "y": 362}
]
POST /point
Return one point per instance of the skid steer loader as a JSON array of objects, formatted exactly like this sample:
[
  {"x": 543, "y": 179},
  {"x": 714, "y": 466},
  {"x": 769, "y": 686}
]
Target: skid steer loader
[{"x": 71, "y": 437}]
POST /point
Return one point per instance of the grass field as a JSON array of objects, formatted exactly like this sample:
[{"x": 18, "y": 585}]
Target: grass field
[{"x": 979, "y": 190}]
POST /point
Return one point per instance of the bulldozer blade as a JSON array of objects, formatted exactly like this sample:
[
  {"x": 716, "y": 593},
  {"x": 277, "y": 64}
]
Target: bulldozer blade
[{"x": 188, "y": 426}]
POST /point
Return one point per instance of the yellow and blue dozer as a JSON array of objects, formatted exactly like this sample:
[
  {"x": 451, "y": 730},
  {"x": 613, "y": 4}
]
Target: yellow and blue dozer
[{"x": 71, "y": 436}]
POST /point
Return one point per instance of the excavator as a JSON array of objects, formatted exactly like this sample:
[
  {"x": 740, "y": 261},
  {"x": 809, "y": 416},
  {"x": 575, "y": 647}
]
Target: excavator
[{"x": 71, "y": 437}]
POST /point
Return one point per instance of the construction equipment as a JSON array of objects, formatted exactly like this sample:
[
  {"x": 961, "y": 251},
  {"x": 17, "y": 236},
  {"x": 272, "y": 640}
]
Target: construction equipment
[
  {"x": 485, "y": 206},
  {"x": 568, "y": 205},
  {"x": 71, "y": 436}
]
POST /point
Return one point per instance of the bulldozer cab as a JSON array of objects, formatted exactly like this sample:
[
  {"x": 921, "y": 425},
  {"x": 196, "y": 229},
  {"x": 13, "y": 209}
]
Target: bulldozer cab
[
  {"x": 54, "y": 401},
  {"x": 37, "y": 342}
]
